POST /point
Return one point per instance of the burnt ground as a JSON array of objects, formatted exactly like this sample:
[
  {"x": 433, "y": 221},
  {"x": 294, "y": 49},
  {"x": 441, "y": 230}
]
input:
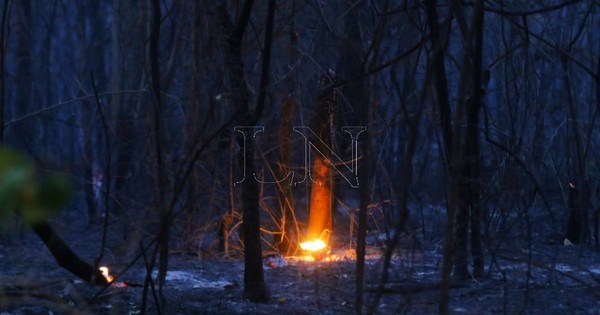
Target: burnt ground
[{"x": 544, "y": 278}]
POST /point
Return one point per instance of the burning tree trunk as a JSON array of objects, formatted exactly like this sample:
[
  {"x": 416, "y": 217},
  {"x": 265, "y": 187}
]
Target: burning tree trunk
[{"x": 320, "y": 222}]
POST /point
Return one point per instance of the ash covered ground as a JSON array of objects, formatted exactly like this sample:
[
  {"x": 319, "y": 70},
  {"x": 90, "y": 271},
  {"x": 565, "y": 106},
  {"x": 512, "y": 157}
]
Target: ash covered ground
[{"x": 538, "y": 278}]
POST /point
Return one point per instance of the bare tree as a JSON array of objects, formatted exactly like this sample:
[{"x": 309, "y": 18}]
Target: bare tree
[
  {"x": 463, "y": 165},
  {"x": 254, "y": 285},
  {"x": 3, "y": 37}
]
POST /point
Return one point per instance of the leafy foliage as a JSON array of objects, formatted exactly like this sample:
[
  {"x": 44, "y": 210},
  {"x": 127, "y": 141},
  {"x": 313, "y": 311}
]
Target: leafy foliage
[{"x": 21, "y": 192}]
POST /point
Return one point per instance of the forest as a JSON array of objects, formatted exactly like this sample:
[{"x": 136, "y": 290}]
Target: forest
[{"x": 299, "y": 157}]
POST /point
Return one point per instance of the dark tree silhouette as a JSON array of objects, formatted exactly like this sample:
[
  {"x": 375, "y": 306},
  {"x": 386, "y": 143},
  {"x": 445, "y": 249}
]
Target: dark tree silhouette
[
  {"x": 3, "y": 23},
  {"x": 575, "y": 224},
  {"x": 64, "y": 256},
  {"x": 254, "y": 284}
]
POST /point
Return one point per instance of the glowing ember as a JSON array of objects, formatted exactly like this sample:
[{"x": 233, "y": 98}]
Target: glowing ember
[
  {"x": 106, "y": 274},
  {"x": 313, "y": 246}
]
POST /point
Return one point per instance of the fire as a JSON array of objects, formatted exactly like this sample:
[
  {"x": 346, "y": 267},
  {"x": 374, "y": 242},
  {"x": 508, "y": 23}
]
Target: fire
[
  {"x": 313, "y": 246},
  {"x": 106, "y": 274}
]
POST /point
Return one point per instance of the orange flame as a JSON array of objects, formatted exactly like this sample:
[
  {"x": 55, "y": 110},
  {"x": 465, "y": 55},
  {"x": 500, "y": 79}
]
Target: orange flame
[
  {"x": 106, "y": 274},
  {"x": 313, "y": 246}
]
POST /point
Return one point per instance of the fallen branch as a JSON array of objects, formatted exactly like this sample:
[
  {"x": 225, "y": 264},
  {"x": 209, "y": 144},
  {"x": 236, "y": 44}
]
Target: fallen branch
[{"x": 65, "y": 257}]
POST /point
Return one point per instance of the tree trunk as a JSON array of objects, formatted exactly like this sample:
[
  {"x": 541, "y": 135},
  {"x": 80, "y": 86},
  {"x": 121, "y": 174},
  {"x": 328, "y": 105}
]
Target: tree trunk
[
  {"x": 287, "y": 218},
  {"x": 320, "y": 223},
  {"x": 65, "y": 257},
  {"x": 285, "y": 240},
  {"x": 3, "y": 41},
  {"x": 254, "y": 285},
  {"x": 460, "y": 270},
  {"x": 23, "y": 81},
  {"x": 463, "y": 168},
  {"x": 574, "y": 228},
  {"x": 473, "y": 140},
  {"x": 160, "y": 183},
  {"x": 596, "y": 235}
]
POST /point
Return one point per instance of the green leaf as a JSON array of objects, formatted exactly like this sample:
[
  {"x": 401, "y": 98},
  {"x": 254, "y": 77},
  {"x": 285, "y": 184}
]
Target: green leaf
[
  {"x": 55, "y": 192},
  {"x": 21, "y": 193},
  {"x": 16, "y": 178},
  {"x": 9, "y": 159},
  {"x": 49, "y": 197}
]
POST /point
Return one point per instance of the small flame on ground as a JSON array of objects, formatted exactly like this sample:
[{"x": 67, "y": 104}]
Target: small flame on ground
[
  {"x": 106, "y": 274},
  {"x": 313, "y": 246}
]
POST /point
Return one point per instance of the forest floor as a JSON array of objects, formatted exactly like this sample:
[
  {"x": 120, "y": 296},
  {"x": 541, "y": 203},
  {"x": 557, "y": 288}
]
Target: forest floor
[{"x": 542, "y": 278}]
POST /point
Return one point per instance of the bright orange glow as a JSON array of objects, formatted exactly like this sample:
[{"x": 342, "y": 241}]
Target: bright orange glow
[
  {"x": 106, "y": 274},
  {"x": 313, "y": 246},
  {"x": 320, "y": 220}
]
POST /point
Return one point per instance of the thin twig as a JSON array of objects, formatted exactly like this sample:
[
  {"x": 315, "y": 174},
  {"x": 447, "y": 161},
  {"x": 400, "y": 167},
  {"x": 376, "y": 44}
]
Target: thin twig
[{"x": 75, "y": 100}]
